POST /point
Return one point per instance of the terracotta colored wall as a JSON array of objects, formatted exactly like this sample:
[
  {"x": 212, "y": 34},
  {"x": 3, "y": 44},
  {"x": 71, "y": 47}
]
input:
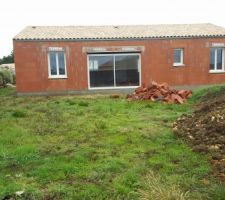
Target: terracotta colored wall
[{"x": 156, "y": 62}]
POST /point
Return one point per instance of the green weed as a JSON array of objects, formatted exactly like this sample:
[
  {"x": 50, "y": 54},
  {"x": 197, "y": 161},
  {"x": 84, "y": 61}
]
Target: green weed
[{"x": 77, "y": 147}]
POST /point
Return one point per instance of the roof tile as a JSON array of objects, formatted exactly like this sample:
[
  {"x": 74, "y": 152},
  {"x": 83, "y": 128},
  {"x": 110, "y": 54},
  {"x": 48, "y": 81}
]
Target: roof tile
[{"x": 119, "y": 32}]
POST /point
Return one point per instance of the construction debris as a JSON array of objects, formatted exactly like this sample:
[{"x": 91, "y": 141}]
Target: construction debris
[
  {"x": 160, "y": 92},
  {"x": 204, "y": 130}
]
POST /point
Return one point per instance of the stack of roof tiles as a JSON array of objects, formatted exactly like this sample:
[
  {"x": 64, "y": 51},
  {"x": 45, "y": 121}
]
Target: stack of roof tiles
[{"x": 160, "y": 92}]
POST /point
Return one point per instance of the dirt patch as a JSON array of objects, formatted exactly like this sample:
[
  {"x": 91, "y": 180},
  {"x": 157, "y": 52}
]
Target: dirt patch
[{"x": 204, "y": 129}]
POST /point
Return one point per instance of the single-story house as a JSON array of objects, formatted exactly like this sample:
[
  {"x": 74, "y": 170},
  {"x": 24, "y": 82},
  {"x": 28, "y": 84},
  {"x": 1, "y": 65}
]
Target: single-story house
[{"x": 91, "y": 58}]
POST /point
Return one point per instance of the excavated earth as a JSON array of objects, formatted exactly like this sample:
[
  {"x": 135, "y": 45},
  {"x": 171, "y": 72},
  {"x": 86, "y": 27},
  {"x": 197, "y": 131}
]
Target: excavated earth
[{"x": 204, "y": 130}]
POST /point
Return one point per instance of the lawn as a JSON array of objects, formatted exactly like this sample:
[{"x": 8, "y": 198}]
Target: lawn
[{"x": 95, "y": 147}]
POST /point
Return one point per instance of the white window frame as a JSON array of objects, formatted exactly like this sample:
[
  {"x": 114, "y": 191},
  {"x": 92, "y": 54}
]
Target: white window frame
[
  {"x": 114, "y": 87},
  {"x": 57, "y": 76},
  {"x": 181, "y": 63},
  {"x": 215, "y": 70}
]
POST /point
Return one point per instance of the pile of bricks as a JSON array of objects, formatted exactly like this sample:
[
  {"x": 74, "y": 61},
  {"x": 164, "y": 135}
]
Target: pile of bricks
[{"x": 160, "y": 92}]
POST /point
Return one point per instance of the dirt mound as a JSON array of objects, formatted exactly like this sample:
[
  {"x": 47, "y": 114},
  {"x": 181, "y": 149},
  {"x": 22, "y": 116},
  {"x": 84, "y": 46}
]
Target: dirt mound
[
  {"x": 204, "y": 129},
  {"x": 160, "y": 92}
]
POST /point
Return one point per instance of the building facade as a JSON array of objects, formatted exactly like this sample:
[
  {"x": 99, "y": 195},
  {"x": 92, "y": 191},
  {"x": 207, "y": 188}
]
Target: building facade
[{"x": 67, "y": 59}]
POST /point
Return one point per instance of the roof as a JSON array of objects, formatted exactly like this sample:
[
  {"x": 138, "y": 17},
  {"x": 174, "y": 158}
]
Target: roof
[
  {"x": 120, "y": 32},
  {"x": 9, "y": 65}
]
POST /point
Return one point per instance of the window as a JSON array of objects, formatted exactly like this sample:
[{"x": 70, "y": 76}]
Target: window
[
  {"x": 101, "y": 71},
  {"x": 113, "y": 70},
  {"x": 126, "y": 68},
  {"x": 57, "y": 64},
  {"x": 216, "y": 59},
  {"x": 178, "y": 57}
]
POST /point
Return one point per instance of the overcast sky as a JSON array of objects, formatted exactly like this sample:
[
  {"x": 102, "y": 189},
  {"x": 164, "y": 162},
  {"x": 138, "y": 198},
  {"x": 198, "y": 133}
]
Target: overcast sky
[{"x": 16, "y": 14}]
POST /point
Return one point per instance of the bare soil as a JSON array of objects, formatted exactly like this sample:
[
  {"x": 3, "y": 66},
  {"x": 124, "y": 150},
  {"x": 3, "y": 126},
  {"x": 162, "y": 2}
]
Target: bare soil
[{"x": 204, "y": 129}]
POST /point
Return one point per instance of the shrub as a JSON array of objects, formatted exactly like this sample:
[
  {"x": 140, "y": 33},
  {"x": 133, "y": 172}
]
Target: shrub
[
  {"x": 1, "y": 79},
  {"x": 14, "y": 78},
  {"x": 6, "y": 76}
]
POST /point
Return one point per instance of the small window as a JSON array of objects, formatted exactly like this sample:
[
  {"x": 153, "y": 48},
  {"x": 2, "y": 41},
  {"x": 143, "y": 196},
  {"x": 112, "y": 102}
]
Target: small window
[
  {"x": 57, "y": 64},
  {"x": 178, "y": 57},
  {"x": 216, "y": 59}
]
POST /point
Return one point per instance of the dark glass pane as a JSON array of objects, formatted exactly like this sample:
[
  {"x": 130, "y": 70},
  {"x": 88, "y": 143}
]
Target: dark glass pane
[
  {"x": 219, "y": 59},
  {"x": 212, "y": 59},
  {"x": 177, "y": 55},
  {"x": 101, "y": 71},
  {"x": 61, "y": 61},
  {"x": 52, "y": 60},
  {"x": 126, "y": 67}
]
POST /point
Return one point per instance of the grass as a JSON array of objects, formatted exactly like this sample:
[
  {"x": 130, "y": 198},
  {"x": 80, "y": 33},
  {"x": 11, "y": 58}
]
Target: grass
[
  {"x": 213, "y": 90},
  {"x": 156, "y": 188},
  {"x": 73, "y": 147}
]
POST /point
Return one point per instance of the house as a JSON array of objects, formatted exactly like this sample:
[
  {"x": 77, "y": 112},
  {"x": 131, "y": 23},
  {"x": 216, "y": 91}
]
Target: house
[{"x": 91, "y": 58}]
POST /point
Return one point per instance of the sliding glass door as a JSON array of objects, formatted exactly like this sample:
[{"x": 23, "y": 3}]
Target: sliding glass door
[{"x": 114, "y": 70}]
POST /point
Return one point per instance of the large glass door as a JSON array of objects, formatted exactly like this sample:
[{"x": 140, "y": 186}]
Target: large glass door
[{"x": 114, "y": 70}]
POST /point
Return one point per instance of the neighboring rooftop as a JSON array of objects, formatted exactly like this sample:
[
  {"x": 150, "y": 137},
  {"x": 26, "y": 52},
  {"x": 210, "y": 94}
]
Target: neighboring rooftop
[
  {"x": 9, "y": 66},
  {"x": 120, "y": 32}
]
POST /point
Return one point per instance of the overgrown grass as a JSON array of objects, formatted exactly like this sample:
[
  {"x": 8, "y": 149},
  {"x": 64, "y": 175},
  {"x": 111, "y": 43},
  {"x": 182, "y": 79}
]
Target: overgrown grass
[
  {"x": 157, "y": 188},
  {"x": 214, "y": 90},
  {"x": 73, "y": 147}
]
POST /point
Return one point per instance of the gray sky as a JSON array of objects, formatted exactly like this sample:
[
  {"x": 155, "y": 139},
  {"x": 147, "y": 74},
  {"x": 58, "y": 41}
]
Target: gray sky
[{"x": 16, "y": 14}]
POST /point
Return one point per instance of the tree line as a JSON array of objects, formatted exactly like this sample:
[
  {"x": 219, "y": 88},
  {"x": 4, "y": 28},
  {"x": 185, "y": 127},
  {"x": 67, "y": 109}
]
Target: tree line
[{"x": 7, "y": 59}]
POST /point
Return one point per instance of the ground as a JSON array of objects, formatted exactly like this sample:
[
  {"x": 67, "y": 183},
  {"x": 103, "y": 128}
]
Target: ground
[
  {"x": 204, "y": 129},
  {"x": 96, "y": 147}
]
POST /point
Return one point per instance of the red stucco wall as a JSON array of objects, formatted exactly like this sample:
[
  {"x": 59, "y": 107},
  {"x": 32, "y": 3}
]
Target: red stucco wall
[{"x": 156, "y": 63}]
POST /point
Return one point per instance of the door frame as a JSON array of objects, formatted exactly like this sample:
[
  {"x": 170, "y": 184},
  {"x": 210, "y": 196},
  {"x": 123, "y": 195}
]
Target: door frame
[{"x": 114, "y": 87}]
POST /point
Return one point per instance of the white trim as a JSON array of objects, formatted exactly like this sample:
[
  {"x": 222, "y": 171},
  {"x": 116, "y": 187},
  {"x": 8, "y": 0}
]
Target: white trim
[
  {"x": 223, "y": 52},
  {"x": 88, "y": 72},
  {"x": 114, "y": 87},
  {"x": 181, "y": 63},
  {"x": 57, "y": 76},
  {"x": 55, "y": 49},
  {"x": 178, "y": 65},
  {"x": 217, "y": 45},
  {"x": 111, "y": 88},
  {"x": 216, "y": 71},
  {"x": 113, "y": 49}
]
